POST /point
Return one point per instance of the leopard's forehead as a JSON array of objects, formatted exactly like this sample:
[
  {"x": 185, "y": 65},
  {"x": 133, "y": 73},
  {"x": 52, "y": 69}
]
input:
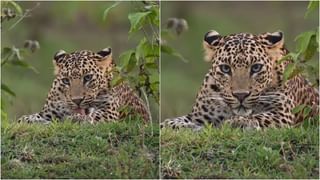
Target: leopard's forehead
[
  {"x": 241, "y": 49},
  {"x": 78, "y": 63}
]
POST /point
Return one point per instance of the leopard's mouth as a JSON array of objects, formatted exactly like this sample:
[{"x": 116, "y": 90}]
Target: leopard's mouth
[
  {"x": 241, "y": 110},
  {"x": 82, "y": 111}
]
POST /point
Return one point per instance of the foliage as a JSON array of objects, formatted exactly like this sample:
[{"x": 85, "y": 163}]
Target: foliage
[
  {"x": 13, "y": 55},
  {"x": 307, "y": 46},
  {"x": 140, "y": 66},
  {"x": 233, "y": 153},
  {"x": 302, "y": 61},
  {"x": 125, "y": 149},
  {"x": 173, "y": 26}
]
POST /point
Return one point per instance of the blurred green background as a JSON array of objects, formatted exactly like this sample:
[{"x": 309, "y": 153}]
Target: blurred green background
[
  {"x": 69, "y": 26},
  {"x": 180, "y": 81}
]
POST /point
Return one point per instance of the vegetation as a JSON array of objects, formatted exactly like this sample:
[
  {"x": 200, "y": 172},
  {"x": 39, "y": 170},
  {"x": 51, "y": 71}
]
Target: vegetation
[
  {"x": 125, "y": 149},
  {"x": 302, "y": 61},
  {"x": 140, "y": 66},
  {"x": 13, "y": 55},
  {"x": 130, "y": 148},
  {"x": 233, "y": 153}
]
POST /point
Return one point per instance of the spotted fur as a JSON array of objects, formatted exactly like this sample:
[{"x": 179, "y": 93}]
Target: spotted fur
[
  {"x": 245, "y": 86},
  {"x": 82, "y": 90}
]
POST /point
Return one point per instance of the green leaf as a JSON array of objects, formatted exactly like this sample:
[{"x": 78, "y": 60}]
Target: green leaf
[
  {"x": 132, "y": 64},
  {"x": 303, "y": 40},
  {"x": 317, "y": 36},
  {"x": 288, "y": 57},
  {"x": 6, "y": 89},
  {"x": 142, "y": 79},
  {"x": 306, "y": 111},
  {"x": 5, "y": 52},
  {"x": 4, "y": 118},
  {"x": 154, "y": 78},
  {"x": 125, "y": 57},
  {"x": 128, "y": 60},
  {"x": 17, "y": 7},
  {"x": 154, "y": 16},
  {"x": 312, "y": 48},
  {"x": 298, "y": 109},
  {"x": 24, "y": 65},
  {"x": 137, "y": 20},
  {"x": 141, "y": 48},
  {"x": 145, "y": 50},
  {"x": 288, "y": 71},
  {"x": 313, "y": 5},
  {"x": 298, "y": 69},
  {"x": 6, "y": 55},
  {"x": 312, "y": 70},
  {"x": 170, "y": 51},
  {"x": 106, "y": 12},
  {"x": 117, "y": 80},
  {"x": 151, "y": 65}
]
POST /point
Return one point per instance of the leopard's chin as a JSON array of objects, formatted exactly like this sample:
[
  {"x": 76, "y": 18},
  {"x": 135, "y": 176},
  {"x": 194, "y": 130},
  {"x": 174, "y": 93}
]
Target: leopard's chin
[
  {"x": 83, "y": 111},
  {"x": 79, "y": 111},
  {"x": 242, "y": 111}
]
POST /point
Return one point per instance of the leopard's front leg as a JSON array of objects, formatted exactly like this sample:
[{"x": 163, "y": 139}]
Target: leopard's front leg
[
  {"x": 80, "y": 118},
  {"x": 94, "y": 116},
  {"x": 34, "y": 118},
  {"x": 262, "y": 120},
  {"x": 180, "y": 122}
]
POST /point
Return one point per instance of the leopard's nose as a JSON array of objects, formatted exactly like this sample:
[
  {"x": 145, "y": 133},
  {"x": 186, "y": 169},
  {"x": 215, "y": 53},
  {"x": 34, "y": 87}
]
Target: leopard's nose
[
  {"x": 77, "y": 100},
  {"x": 241, "y": 95}
]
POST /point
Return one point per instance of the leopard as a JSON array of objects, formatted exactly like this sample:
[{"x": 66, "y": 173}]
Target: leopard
[
  {"x": 245, "y": 86},
  {"x": 82, "y": 91}
]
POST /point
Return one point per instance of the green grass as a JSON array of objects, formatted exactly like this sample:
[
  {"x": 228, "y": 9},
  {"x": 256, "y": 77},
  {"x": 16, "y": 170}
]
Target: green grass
[
  {"x": 233, "y": 153},
  {"x": 126, "y": 149}
]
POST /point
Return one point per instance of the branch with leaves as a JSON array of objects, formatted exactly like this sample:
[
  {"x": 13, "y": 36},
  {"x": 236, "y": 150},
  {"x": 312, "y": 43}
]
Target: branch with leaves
[
  {"x": 14, "y": 55},
  {"x": 140, "y": 66},
  {"x": 303, "y": 61}
]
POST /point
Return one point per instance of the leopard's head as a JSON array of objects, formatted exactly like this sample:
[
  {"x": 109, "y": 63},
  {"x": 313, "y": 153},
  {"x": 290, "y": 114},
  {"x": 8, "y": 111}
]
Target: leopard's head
[
  {"x": 80, "y": 75},
  {"x": 243, "y": 66}
]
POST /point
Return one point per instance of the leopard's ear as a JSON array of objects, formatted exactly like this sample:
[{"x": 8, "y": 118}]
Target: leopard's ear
[
  {"x": 105, "y": 60},
  {"x": 274, "y": 43},
  {"x": 57, "y": 60},
  {"x": 210, "y": 42},
  {"x": 273, "y": 40}
]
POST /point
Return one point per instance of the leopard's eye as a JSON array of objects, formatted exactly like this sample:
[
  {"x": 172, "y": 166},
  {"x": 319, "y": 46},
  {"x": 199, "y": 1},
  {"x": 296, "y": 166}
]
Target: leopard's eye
[
  {"x": 225, "y": 68},
  {"x": 65, "y": 81},
  {"x": 87, "y": 77},
  {"x": 256, "y": 68}
]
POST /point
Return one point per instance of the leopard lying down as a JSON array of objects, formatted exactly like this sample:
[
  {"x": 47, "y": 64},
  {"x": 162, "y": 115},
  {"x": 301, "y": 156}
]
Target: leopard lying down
[
  {"x": 82, "y": 90},
  {"x": 244, "y": 86}
]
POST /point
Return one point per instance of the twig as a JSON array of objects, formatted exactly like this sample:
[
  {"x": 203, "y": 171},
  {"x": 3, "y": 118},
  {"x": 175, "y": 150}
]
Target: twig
[
  {"x": 148, "y": 107},
  {"x": 152, "y": 29},
  {"x": 26, "y": 14},
  {"x": 146, "y": 35}
]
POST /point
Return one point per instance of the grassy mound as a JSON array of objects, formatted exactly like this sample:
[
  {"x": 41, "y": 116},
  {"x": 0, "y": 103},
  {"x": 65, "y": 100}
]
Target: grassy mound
[
  {"x": 126, "y": 149},
  {"x": 233, "y": 153}
]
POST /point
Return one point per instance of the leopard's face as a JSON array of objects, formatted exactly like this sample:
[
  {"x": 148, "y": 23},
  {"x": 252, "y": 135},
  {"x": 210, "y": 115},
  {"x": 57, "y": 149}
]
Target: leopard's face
[
  {"x": 81, "y": 75},
  {"x": 243, "y": 66}
]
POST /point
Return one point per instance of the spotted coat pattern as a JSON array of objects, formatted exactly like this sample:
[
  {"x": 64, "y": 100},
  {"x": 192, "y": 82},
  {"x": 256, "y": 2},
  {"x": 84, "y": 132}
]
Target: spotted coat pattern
[
  {"x": 82, "y": 90},
  {"x": 244, "y": 86}
]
